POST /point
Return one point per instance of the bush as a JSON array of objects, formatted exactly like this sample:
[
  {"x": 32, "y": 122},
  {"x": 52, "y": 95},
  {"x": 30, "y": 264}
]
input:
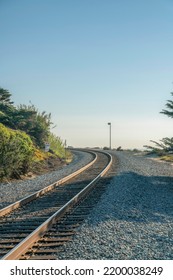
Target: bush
[
  {"x": 16, "y": 152},
  {"x": 56, "y": 145}
]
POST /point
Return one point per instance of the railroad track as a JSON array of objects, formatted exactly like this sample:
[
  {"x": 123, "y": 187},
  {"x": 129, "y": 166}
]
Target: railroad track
[{"x": 38, "y": 229}]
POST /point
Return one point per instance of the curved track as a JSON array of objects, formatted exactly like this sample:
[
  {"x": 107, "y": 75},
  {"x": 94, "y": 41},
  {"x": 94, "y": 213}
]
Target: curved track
[{"x": 33, "y": 223}]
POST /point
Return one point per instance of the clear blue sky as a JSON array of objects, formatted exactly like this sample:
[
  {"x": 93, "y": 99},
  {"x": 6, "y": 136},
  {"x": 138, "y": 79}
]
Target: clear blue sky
[{"x": 90, "y": 62}]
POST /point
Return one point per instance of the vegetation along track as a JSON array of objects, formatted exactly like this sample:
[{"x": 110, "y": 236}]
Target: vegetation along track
[{"x": 38, "y": 229}]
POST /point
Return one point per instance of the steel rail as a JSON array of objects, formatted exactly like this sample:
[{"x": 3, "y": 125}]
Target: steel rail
[
  {"x": 46, "y": 189},
  {"x": 25, "y": 244}
]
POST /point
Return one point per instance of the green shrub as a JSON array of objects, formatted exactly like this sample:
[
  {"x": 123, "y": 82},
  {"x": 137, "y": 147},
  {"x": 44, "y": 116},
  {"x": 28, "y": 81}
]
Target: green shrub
[
  {"x": 16, "y": 152},
  {"x": 58, "y": 147}
]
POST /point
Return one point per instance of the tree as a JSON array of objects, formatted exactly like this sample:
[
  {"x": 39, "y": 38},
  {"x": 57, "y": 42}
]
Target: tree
[
  {"x": 166, "y": 144},
  {"x": 25, "y": 118},
  {"x": 169, "y": 105},
  {"x": 5, "y": 97},
  {"x": 6, "y": 108},
  {"x": 36, "y": 124}
]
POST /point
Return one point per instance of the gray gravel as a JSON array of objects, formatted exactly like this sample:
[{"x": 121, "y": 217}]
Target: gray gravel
[
  {"x": 11, "y": 192},
  {"x": 133, "y": 219}
]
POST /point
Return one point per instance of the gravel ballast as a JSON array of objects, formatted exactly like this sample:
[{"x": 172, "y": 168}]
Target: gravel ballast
[
  {"x": 134, "y": 217},
  {"x": 13, "y": 191}
]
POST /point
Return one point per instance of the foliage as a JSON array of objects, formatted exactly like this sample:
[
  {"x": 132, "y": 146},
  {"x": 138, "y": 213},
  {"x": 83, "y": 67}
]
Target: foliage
[
  {"x": 6, "y": 108},
  {"x": 165, "y": 145},
  {"x": 136, "y": 150},
  {"x": 25, "y": 118},
  {"x": 5, "y": 97},
  {"x": 36, "y": 124},
  {"x": 16, "y": 152},
  {"x": 57, "y": 146},
  {"x": 23, "y": 132},
  {"x": 119, "y": 148},
  {"x": 169, "y": 105},
  {"x": 168, "y": 158},
  {"x": 40, "y": 155}
]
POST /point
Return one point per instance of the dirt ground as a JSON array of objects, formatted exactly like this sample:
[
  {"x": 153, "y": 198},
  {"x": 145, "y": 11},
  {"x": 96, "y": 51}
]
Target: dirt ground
[{"x": 42, "y": 167}]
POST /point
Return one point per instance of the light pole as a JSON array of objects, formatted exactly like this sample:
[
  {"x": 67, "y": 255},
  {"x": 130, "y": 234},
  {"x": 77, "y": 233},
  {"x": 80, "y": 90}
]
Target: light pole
[{"x": 109, "y": 123}]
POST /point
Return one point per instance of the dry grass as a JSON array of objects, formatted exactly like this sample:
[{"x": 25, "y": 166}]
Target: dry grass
[{"x": 168, "y": 158}]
